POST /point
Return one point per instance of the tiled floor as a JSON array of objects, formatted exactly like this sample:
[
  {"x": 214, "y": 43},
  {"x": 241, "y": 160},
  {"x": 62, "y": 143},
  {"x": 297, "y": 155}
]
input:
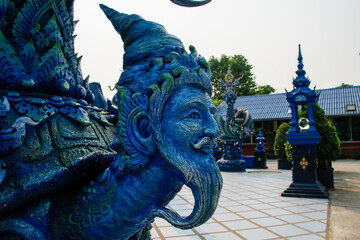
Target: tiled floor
[{"x": 251, "y": 207}]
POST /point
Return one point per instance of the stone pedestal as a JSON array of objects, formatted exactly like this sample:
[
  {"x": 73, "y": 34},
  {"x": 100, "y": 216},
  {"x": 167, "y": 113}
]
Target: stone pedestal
[
  {"x": 231, "y": 161},
  {"x": 237, "y": 165},
  {"x": 260, "y": 160},
  {"x": 305, "y": 183}
]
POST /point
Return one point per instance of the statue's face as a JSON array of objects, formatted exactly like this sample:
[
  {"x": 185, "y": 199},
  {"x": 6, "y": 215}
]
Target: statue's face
[
  {"x": 188, "y": 124},
  {"x": 188, "y": 132}
]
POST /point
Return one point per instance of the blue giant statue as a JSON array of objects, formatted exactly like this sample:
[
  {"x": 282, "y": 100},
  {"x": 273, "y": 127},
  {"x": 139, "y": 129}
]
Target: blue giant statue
[{"x": 60, "y": 175}]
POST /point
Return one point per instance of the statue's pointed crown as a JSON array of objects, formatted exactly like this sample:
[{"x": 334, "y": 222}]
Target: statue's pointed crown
[{"x": 151, "y": 51}]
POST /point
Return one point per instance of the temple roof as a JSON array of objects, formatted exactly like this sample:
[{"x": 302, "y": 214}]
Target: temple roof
[{"x": 275, "y": 106}]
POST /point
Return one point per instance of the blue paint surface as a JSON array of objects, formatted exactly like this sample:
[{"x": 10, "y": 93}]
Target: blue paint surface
[{"x": 74, "y": 166}]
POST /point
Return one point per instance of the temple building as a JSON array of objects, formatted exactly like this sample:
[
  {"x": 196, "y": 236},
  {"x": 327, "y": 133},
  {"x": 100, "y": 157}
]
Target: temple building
[{"x": 341, "y": 106}]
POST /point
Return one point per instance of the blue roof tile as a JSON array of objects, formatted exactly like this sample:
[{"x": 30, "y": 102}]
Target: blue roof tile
[{"x": 275, "y": 106}]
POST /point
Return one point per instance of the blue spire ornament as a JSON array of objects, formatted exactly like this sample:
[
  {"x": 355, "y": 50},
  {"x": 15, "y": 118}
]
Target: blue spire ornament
[{"x": 304, "y": 137}]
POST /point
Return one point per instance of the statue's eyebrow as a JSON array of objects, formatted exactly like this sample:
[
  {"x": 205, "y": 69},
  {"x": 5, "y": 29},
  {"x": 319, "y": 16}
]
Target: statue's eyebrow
[{"x": 205, "y": 106}]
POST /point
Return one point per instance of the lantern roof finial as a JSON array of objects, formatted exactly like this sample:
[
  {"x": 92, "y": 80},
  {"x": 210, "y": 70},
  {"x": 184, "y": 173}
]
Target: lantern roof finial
[{"x": 301, "y": 80}]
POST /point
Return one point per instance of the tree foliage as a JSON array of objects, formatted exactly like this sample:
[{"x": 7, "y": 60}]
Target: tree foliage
[
  {"x": 265, "y": 89},
  {"x": 328, "y": 148},
  {"x": 344, "y": 85},
  {"x": 240, "y": 67},
  {"x": 279, "y": 144}
]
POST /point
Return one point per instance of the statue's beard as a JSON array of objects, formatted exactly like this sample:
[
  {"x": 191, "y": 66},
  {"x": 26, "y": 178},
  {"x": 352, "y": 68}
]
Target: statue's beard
[{"x": 201, "y": 173}]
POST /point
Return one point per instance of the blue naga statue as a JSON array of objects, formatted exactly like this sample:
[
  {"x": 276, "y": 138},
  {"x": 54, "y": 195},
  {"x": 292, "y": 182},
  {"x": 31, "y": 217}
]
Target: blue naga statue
[{"x": 72, "y": 170}]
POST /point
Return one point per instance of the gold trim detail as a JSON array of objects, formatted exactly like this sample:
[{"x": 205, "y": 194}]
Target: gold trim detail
[{"x": 304, "y": 163}]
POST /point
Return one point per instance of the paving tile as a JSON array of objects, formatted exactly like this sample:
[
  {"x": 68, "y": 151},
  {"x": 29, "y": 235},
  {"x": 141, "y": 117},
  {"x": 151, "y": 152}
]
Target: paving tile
[
  {"x": 288, "y": 230},
  {"x": 318, "y": 207},
  {"x": 229, "y": 204},
  {"x": 240, "y": 224},
  {"x": 226, "y": 217},
  {"x": 252, "y": 214},
  {"x": 221, "y": 236},
  {"x": 181, "y": 206},
  {"x": 161, "y": 222},
  {"x": 293, "y": 218},
  {"x": 239, "y": 198},
  {"x": 251, "y": 207},
  {"x": 184, "y": 212},
  {"x": 282, "y": 204},
  {"x": 269, "y": 200},
  {"x": 239, "y": 208},
  {"x": 221, "y": 210},
  {"x": 265, "y": 191},
  {"x": 268, "y": 221},
  {"x": 177, "y": 201},
  {"x": 250, "y": 202},
  {"x": 299, "y": 209},
  {"x": 184, "y": 238},
  {"x": 277, "y": 193},
  {"x": 262, "y": 206},
  {"x": 316, "y": 215},
  {"x": 211, "y": 220},
  {"x": 173, "y": 232},
  {"x": 154, "y": 233},
  {"x": 256, "y": 234},
  {"x": 189, "y": 199},
  {"x": 211, "y": 228},
  {"x": 256, "y": 196},
  {"x": 276, "y": 212},
  {"x": 313, "y": 226},
  {"x": 232, "y": 195},
  {"x": 225, "y": 199},
  {"x": 308, "y": 201},
  {"x": 307, "y": 237}
]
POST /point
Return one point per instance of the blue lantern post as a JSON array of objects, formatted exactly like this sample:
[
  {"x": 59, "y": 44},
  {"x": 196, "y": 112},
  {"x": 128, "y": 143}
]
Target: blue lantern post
[
  {"x": 260, "y": 154},
  {"x": 304, "y": 137}
]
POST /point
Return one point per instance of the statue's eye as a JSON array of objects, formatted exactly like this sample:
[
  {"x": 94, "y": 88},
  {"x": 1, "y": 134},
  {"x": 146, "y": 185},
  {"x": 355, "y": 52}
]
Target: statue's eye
[{"x": 194, "y": 115}]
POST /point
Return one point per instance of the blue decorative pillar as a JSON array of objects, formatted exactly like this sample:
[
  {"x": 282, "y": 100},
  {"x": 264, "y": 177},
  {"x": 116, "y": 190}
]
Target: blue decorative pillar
[
  {"x": 232, "y": 129},
  {"x": 260, "y": 154},
  {"x": 304, "y": 137},
  {"x": 260, "y": 143}
]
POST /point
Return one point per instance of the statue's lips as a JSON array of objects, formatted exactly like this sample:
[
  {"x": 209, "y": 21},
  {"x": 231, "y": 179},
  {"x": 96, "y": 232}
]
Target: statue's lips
[{"x": 205, "y": 145}]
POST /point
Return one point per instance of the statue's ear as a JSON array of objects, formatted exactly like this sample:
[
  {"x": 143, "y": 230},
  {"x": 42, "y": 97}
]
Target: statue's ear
[
  {"x": 135, "y": 129},
  {"x": 141, "y": 133}
]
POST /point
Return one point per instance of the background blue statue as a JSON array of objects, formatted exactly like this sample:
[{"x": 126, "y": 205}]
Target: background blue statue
[
  {"x": 59, "y": 177},
  {"x": 237, "y": 126}
]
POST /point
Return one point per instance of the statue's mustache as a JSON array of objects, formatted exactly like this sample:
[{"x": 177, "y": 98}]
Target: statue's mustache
[{"x": 205, "y": 144}]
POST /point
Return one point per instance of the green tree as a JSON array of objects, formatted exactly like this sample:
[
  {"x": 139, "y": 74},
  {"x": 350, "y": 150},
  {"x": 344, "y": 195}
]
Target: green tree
[
  {"x": 279, "y": 144},
  {"x": 344, "y": 85},
  {"x": 239, "y": 68},
  {"x": 328, "y": 148},
  {"x": 265, "y": 89}
]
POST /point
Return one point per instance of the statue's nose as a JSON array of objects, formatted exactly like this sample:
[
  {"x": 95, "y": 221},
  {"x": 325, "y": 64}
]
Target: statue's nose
[{"x": 212, "y": 130}]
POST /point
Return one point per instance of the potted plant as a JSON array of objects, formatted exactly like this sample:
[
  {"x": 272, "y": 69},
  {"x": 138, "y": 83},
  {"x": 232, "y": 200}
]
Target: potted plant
[
  {"x": 279, "y": 147},
  {"x": 328, "y": 148}
]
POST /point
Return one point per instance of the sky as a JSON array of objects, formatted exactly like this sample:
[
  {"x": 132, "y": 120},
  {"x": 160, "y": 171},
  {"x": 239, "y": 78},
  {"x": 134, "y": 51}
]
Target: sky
[{"x": 266, "y": 32}]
